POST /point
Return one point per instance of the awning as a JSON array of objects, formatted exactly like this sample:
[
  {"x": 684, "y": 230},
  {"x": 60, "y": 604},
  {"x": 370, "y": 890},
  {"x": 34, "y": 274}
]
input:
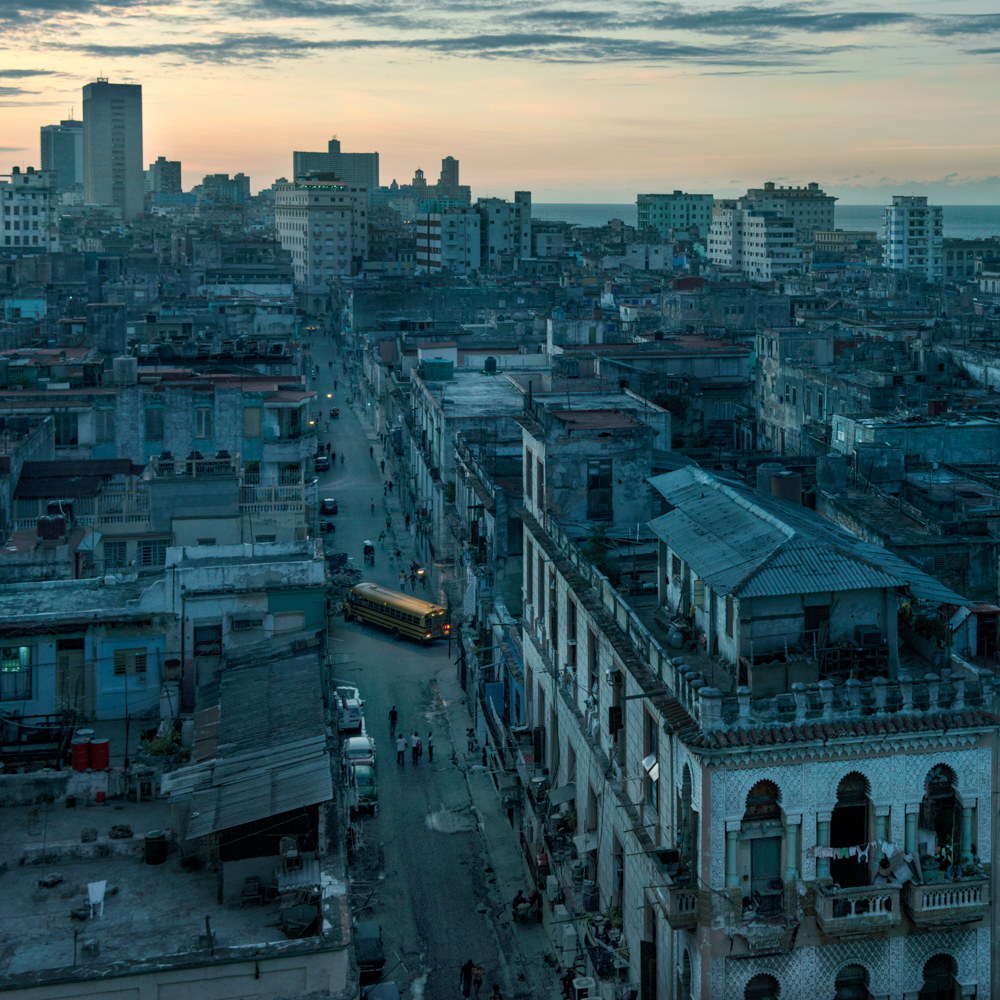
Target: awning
[
  {"x": 586, "y": 843},
  {"x": 560, "y": 795}
]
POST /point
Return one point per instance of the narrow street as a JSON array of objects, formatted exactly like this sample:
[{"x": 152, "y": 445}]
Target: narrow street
[{"x": 421, "y": 868}]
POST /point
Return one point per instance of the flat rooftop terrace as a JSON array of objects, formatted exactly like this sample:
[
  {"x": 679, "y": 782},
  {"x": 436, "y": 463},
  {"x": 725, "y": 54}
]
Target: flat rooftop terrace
[{"x": 151, "y": 912}]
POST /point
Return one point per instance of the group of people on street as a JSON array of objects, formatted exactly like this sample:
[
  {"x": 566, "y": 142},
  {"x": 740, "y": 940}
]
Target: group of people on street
[
  {"x": 471, "y": 978},
  {"x": 416, "y": 743}
]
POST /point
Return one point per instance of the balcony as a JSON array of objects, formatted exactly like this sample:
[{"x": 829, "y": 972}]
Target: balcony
[
  {"x": 858, "y": 910},
  {"x": 948, "y": 902},
  {"x": 682, "y": 907}
]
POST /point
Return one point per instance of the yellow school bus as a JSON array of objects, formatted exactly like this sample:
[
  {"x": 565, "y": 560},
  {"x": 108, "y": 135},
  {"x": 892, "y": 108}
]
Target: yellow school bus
[{"x": 400, "y": 614}]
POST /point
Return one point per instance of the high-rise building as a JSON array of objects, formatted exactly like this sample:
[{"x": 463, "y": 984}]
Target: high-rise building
[
  {"x": 664, "y": 212},
  {"x": 62, "y": 151},
  {"x": 914, "y": 236},
  {"x": 448, "y": 241},
  {"x": 354, "y": 169},
  {"x": 30, "y": 224},
  {"x": 220, "y": 189},
  {"x": 112, "y": 146},
  {"x": 505, "y": 226},
  {"x": 322, "y": 223},
  {"x": 759, "y": 243},
  {"x": 810, "y": 208},
  {"x": 164, "y": 176}
]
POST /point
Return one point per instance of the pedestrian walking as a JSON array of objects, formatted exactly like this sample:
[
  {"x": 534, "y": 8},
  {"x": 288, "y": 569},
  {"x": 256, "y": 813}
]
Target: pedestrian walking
[
  {"x": 341, "y": 458},
  {"x": 402, "y": 581},
  {"x": 465, "y": 978},
  {"x": 390, "y": 487},
  {"x": 477, "y": 978},
  {"x": 385, "y": 489},
  {"x": 496, "y": 994},
  {"x": 430, "y": 748},
  {"x": 373, "y": 506},
  {"x": 423, "y": 580},
  {"x": 413, "y": 581},
  {"x": 382, "y": 463},
  {"x": 371, "y": 451},
  {"x": 470, "y": 736},
  {"x": 401, "y": 750},
  {"x": 420, "y": 748},
  {"x": 414, "y": 741},
  {"x": 328, "y": 446},
  {"x": 334, "y": 385},
  {"x": 393, "y": 716},
  {"x": 407, "y": 518}
]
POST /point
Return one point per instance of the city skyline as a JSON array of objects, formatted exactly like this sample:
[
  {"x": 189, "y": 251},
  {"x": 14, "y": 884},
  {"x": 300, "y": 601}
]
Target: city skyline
[{"x": 577, "y": 104}]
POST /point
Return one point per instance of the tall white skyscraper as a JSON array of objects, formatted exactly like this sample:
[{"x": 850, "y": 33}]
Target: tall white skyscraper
[
  {"x": 112, "y": 146},
  {"x": 914, "y": 236}
]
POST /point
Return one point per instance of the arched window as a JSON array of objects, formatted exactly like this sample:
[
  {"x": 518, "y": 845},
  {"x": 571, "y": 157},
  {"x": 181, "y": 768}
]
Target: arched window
[
  {"x": 762, "y": 987},
  {"x": 939, "y": 832},
  {"x": 852, "y": 983},
  {"x": 762, "y": 833},
  {"x": 850, "y": 827},
  {"x": 939, "y": 978}
]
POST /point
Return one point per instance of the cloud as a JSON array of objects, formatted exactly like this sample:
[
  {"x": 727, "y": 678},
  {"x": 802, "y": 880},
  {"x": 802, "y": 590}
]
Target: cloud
[
  {"x": 14, "y": 91},
  {"x": 12, "y": 149},
  {"x": 23, "y": 74}
]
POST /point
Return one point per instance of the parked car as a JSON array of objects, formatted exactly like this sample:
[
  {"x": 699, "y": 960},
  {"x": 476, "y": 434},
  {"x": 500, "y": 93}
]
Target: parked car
[
  {"x": 321, "y": 463},
  {"x": 359, "y": 750},
  {"x": 334, "y": 412},
  {"x": 328, "y": 507},
  {"x": 351, "y": 720},
  {"x": 349, "y": 691},
  {"x": 368, "y": 949},
  {"x": 363, "y": 781}
]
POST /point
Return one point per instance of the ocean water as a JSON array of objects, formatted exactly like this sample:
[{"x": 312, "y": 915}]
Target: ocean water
[{"x": 968, "y": 222}]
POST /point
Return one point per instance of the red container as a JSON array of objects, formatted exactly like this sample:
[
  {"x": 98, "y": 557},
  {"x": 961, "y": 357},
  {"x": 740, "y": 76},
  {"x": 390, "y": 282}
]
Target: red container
[
  {"x": 80, "y": 751},
  {"x": 100, "y": 754},
  {"x": 100, "y": 797}
]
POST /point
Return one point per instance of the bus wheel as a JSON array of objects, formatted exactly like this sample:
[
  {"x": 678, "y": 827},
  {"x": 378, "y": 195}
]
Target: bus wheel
[
  {"x": 347, "y": 616},
  {"x": 396, "y": 634}
]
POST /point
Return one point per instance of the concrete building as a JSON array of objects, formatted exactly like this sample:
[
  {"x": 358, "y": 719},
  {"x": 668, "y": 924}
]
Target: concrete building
[
  {"x": 760, "y": 243},
  {"x": 358, "y": 170},
  {"x": 505, "y": 227},
  {"x": 164, "y": 177},
  {"x": 62, "y": 151},
  {"x": 677, "y": 211},
  {"x": 913, "y": 234},
  {"x": 964, "y": 258},
  {"x": 840, "y": 240},
  {"x": 818, "y": 850},
  {"x": 221, "y": 189},
  {"x": 322, "y": 223},
  {"x": 448, "y": 241},
  {"x": 809, "y": 208},
  {"x": 112, "y": 146},
  {"x": 30, "y": 211}
]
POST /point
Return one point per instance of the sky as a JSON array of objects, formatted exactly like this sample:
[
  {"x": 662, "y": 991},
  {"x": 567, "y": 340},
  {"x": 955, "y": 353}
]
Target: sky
[{"x": 576, "y": 101}]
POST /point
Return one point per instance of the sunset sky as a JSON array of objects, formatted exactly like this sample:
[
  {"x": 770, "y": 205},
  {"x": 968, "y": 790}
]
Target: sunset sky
[{"x": 574, "y": 101}]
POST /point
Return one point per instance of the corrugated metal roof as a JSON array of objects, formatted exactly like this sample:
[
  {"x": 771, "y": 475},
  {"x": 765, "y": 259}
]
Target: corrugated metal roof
[
  {"x": 272, "y": 755},
  {"x": 743, "y": 542}
]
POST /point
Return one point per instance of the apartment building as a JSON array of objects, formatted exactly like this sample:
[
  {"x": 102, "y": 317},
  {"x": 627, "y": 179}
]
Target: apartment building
[
  {"x": 505, "y": 227},
  {"x": 449, "y": 242},
  {"x": 677, "y": 211},
  {"x": 322, "y": 222},
  {"x": 61, "y": 149},
  {"x": 760, "y": 243},
  {"x": 30, "y": 214},
  {"x": 831, "y": 834},
  {"x": 112, "y": 146},
  {"x": 913, "y": 232},
  {"x": 810, "y": 208},
  {"x": 358, "y": 170}
]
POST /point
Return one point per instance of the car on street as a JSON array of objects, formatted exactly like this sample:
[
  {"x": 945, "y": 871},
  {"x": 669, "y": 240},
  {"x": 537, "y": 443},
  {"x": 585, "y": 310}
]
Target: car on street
[
  {"x": 328, "y": 507},
  {"x": 362, "y": 780},
  {"x": 321, "y": 463},
  {"x": 351, "y": 720},
  {"x": 359, "y": 750},
  {"x": 334, "y": 412},
  {"x": 349, "y": 691},
  {"x": 368, "y": 948}
]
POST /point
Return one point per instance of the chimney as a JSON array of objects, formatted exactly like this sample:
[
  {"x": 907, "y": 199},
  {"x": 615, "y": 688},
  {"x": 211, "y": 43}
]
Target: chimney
[{"x": 711, "y": 709}]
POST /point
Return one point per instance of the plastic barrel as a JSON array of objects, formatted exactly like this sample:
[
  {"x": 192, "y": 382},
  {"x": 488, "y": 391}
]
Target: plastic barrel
[
  {"x": 156, "y": 847},
  {"x": 80, "y": 753},
  {"x": 100, "y": 754}
]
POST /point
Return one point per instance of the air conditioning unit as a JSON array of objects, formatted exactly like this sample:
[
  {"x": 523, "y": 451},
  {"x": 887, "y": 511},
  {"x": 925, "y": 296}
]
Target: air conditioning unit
[
  {"x": 552, "y": 889},
  {"x": 568, "y": 945},
  {"x": 584, "y": 988}
]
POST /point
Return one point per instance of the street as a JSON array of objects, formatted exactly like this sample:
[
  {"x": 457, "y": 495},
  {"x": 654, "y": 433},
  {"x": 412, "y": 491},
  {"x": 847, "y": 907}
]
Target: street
[{"x": 420, "y": 868}]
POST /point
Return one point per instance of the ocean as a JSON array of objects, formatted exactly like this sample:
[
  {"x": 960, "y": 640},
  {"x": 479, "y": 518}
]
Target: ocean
[{"x": 967, "y": 222}]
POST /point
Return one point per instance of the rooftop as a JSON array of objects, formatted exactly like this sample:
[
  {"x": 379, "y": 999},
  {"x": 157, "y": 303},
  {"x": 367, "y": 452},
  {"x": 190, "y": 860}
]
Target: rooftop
[
  {"x": 70, "y": 599},
  {"x": 579, "y": 420}
]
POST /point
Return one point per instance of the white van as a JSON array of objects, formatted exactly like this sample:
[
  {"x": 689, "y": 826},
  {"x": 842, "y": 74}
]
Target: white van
[{"x": 351, "y": 720}]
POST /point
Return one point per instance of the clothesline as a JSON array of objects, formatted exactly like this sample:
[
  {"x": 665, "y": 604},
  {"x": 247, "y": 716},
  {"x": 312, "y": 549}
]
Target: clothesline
[{"x": 887, "y": 847}]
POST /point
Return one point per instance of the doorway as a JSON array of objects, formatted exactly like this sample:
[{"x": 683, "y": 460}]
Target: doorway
[{"x": 849, "y": 828}]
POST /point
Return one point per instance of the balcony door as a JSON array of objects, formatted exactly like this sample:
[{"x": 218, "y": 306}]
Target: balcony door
[{"x": 849, "y": 828}]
